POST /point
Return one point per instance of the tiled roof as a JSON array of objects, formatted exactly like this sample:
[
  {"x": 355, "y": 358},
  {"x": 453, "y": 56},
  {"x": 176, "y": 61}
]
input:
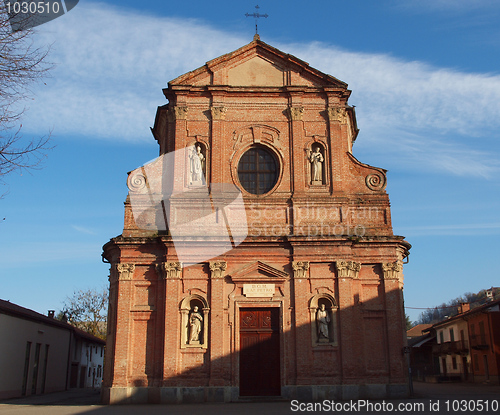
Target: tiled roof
[
  {"x": 417, "y": 330},
  {"x": 468, "y": 313}
]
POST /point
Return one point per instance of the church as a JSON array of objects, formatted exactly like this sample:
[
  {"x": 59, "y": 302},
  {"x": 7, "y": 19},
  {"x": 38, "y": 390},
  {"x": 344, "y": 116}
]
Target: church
[{"x": 257, "y": 257}]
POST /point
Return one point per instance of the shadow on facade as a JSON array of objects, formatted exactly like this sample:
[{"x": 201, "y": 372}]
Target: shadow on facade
[{"x": 277, "y": 350}]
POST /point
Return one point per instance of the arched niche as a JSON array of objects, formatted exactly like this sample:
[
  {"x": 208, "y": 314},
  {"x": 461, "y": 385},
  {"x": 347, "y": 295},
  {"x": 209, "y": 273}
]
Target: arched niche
[
  {"x": 323, "y": 313},
  {"x": 194, "y": 316},
  {"x": 316, "y": 155},
  {"x": 197, "y": 164}
]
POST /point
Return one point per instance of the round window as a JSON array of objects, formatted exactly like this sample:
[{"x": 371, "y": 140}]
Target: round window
[{"x": 258, "y": 171}]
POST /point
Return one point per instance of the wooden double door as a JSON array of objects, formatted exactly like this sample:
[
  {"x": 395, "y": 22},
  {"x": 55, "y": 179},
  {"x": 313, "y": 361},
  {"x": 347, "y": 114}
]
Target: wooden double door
[{"x": 260, "y": 352}]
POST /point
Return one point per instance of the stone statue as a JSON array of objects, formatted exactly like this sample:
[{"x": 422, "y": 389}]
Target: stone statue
[
  {"x": 196, "y": 161},
  {"x": 316, "y": 159},
  {"x": 322, "y": 320},
  {"x": 195, "y": 321}
]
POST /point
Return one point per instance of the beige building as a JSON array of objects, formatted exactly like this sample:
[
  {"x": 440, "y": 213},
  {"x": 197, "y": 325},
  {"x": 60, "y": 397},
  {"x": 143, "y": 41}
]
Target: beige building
[
  {"x": 452, "y": 348},
  {"x": 39, "y": 354}
]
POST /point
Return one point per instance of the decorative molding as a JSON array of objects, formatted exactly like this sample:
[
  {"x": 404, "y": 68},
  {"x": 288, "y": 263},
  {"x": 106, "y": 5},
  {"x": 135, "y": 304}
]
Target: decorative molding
[
  {"x": 338, "y": 114},
  {"x": 125, "y": 271},
  {"x": 259, "y": 272},
  {"x": 256, "y": 133},
  {"x": 169, "y": 270},
  {"x": 218, "y": 113},
  {"x": 300, "y": 268},
  {"x": 348, "y": 269},
  {"x": 375, "y": 181},
  {"x": 217, "y": 269},
  {"x": 137, "y": 181},
  {"x": 295, "y": 113},
  {"x": 392, "y": 270},
  {"x": 177, "y": 113}
]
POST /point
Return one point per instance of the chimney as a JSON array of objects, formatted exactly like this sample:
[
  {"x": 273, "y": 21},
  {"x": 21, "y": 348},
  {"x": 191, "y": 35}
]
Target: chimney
[
  {"x": 51, "y": 313},
  {"x": 464, "y": 307}
]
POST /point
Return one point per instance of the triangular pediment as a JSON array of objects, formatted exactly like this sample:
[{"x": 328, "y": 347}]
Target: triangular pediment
[
  {"x": 259, "y": 271},
  {"x": 257, "y": 64}
]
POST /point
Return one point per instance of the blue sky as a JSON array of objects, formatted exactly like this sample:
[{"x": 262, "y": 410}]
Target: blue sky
[{"x": 425, "y": 83}]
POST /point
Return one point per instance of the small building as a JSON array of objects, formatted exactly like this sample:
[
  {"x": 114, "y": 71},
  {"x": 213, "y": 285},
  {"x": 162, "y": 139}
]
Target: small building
[
  {"x": 87, "y": 360},
  {"x": 468, "y": 344},
  {"x": 39, "y": 354},
  {"x": 417, "y": 331},
  {"x": 424, "y": 365}
]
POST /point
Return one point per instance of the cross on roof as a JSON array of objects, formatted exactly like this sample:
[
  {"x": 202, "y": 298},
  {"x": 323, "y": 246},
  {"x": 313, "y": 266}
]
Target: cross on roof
[{"x": 256, "y": 15}]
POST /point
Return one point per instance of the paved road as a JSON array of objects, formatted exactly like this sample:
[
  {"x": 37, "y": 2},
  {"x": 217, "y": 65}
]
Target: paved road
[{"x": 428, "y": 399}]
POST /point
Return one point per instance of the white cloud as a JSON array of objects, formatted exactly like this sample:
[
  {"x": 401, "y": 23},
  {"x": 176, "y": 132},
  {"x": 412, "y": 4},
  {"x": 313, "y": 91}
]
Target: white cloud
[
  {"x": 83, "y": 229},
  {"x": 112, "y": 64},
  {"x": 453, "y": 229}
]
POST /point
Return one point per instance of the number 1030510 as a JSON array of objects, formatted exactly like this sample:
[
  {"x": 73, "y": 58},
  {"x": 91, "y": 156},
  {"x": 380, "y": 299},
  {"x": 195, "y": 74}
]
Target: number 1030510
[
  {"x": 471, "y": 405},
  {"x": 33, "y": 7}
]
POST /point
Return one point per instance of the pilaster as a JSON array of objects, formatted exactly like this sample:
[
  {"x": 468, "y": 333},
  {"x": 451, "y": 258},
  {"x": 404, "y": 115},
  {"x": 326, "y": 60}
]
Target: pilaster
[
  {"x": 218, "y": 114},
  {"x": 171, "y": 273},
  {"x": 295, "y": 114},
  {"x": 303, "y": 358},
  {"x": 218, "y": 325},
  {"x": 350, "y": 320},
  {"x": 337, "y": 123},
  {"x": 392, "y": 273},
  {"x": 124, "y": 274}
]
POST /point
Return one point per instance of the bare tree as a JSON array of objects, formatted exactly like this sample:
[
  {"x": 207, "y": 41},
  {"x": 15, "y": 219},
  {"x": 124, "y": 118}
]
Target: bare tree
[
  {"x": 87, "y": 310},
  {"x": 22, "y": 64}
]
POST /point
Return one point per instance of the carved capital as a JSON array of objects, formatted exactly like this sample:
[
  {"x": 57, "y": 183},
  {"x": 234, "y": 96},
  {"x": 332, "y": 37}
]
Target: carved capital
[
  {"x": 337, "y": 114},
  {"x": 218, "y": 113},
  {"x": 217, "y": 268},
  {"x": 169, "y": 270},
  {"x": 300, "y": 268},
  {"x": 177, "y": 113},
  {"x": 348, "y": 269},
  {"x": 125, "y": 271},
  {"x": 392, "y": 270},
  {"x": 295, "y": 113}
]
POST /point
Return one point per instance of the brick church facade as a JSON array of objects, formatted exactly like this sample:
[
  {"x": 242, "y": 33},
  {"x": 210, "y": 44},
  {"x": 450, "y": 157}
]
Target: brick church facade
[{"x": 301, "y": 297}]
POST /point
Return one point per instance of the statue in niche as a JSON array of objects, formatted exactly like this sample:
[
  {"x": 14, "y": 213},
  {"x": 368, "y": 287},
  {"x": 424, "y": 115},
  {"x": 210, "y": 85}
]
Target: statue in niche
[
  {"x": 196, "y": 163},
  {"x": 322, "y": 321},
  {"x": 195, "y": 323},
  {"x": 316, "y": 159}
]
